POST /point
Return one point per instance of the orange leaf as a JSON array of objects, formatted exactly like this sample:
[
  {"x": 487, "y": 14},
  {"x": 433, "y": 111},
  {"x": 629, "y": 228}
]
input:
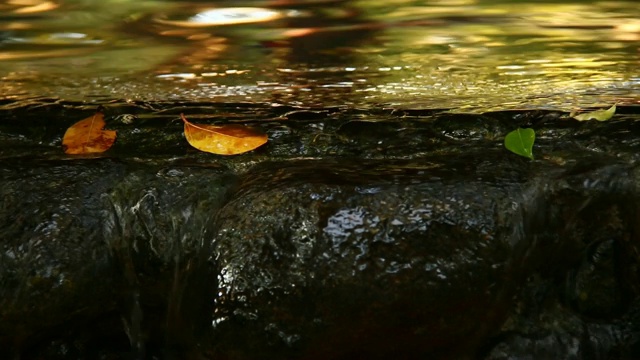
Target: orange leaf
[
  {"x": 88, "y": 136},
  {"x": 223, "y": 140}
]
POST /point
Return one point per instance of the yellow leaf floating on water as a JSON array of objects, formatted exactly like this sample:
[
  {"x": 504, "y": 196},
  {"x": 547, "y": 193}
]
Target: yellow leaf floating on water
[
  {"x": 88, "y": 136},
  {"x": 223, "y": 140},
  {"x": 600, "y": 115}
]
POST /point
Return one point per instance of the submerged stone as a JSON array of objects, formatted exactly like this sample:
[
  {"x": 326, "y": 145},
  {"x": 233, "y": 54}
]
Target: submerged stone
[
  {"x": 581, "y": 298},
  {"x": 369, "y": 260},
  {"x": 86, "y": 241},
  {"x": 341, "y": 239}
]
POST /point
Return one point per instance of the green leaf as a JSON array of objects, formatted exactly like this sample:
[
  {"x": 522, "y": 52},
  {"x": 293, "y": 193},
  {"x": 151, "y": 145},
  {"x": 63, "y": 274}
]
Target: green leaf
[
  {"x": 600, "y": 115},
  {"x": 520, "y": 141}
]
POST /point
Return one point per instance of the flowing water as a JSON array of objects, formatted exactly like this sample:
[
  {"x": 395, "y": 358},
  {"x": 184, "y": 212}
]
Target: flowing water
[{"x": 466, "y": 55}]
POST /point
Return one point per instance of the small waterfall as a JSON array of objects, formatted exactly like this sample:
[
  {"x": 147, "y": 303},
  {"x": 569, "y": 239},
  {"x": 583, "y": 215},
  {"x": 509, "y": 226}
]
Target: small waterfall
[
  {"x": 118, "y": 231},
  {"x": 160, "y": 238}
]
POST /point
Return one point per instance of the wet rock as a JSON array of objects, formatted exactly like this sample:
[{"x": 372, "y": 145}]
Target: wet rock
[
  {"x": 54, "y": 260},
  {"x": 89, "y": 238},
  {"x": 350, "y": 234},
  {"x": 371, "y": 260},
  {"x": 581, "y": 301}
]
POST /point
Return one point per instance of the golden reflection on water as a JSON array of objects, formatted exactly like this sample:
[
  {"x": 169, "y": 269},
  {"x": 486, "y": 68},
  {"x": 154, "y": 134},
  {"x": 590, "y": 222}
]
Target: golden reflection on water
[
  {"x": 27, "y": 6},
  {"x": 466, "y": 54}
]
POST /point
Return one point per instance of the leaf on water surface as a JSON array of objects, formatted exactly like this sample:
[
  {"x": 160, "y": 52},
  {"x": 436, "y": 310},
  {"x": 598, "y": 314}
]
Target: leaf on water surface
[
  {"x": 223, "y": 140},
  {"x": 88, "y": 136},
  {"x": 600, "y": 115},
  {"x": 520, "y": 141}
]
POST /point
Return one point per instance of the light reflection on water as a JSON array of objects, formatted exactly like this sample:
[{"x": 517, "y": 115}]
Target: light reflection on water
[{"x": 466, "y": 55}]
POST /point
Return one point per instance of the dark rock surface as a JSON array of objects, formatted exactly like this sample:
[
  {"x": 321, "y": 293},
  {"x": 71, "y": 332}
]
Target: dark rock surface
[
  {"x": 371, "y": 259},
  {"x": 351, "y": 234},
  {"x": 84, "y": 240}
]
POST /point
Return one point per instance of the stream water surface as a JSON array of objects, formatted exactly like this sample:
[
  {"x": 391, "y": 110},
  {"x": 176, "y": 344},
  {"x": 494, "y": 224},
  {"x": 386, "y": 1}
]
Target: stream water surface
[{"x": 465, "y": 55}]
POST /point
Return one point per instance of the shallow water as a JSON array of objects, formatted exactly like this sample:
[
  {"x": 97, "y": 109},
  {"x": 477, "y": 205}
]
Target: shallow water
[{"x": 465, "y": 55}]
